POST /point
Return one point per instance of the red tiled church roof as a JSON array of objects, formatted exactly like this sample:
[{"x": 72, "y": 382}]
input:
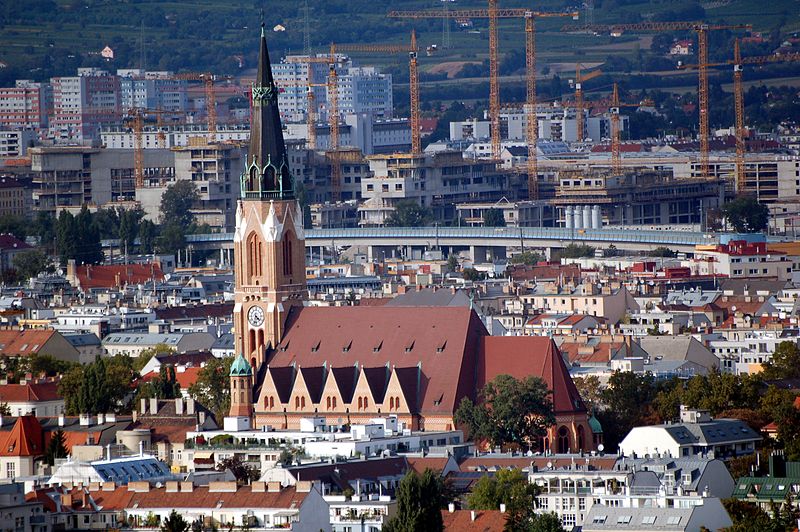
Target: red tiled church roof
[
  {"x": 26, "y": 438},
  {"x": 112, "y": 275}
]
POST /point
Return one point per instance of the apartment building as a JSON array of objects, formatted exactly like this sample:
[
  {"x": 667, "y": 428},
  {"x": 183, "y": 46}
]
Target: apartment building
[
  {"x": 15, "y": 197},
  {"x": 24, "y": 106},
  {"x": 152, "y": 90},
  {"x": 84, "y": 103}
]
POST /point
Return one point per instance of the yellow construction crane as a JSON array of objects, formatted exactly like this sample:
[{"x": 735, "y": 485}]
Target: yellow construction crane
[
  {"x": 579, "y": 105},
  {"x": 493, "y": 13},
  {"x": 738, "y": 96},
  {"x": 412, "y": 50},
  {"x": 702, "y": 30},
  {"x": 135, "y": 119},
  {"x": 211, "y": 98},
  {"x": 332, "y": 86}
]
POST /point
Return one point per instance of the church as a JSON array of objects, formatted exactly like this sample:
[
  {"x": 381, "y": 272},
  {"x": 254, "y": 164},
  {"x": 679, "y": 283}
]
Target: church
[{"x": 352, "y": 364}]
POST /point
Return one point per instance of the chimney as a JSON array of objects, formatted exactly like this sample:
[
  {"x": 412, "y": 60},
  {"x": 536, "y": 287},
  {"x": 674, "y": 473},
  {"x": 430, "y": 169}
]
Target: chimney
[
  {"x": 187, "y": 486},
  {"x": 273, "y": 487},
  {"x": 179, "y": 406},
  {"x": 190, "y": 406},
  {"x": 473, "y": 515},
  {"x": 111, "y": 418},
  {"x": 304, "y": 486},
  {"x": 258, "y": 487},
  {"x": 61, "y": 420},
  {"x": 222, "y": 487},
  {"x": 451, "y": 507},
  {"x": 101, "y": 418},
  {"x": 503, "y": 507},
  {"x": 153, "y": 406},
  {"x": 143, "y": 406},
  {"x": 85, "y": 420},
  {"x": 140, "y": 486},
  {"x": 108, "y": 452},
  {"x": 172, "y": 486}
]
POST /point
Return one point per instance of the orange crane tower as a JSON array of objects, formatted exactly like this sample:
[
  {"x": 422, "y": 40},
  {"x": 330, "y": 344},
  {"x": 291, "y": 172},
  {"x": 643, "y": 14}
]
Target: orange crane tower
[
  {"x": 333, "y": 115},
  {"x": 616, "y": 157},
  {"x": 579, "y": 104},
  {"x": 738, "y": 89},
  {"x": 702, "y": 30},
  {"x": 211, "y": 98},
  {"x": 493, "y": 13},
  {"x": 136, "y": 120},
  {"x": 412, "y": 50}
]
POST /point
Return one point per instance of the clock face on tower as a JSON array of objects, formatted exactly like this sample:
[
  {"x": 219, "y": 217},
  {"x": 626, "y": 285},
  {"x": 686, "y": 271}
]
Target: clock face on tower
[{"x": 255, "y": 316}]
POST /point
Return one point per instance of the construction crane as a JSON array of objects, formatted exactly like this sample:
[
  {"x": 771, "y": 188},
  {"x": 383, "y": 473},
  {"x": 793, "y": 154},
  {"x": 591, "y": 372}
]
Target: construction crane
[
  {"x": 579, "y": 106},
  {"x": 208, "y": 80},
  {"x": 493, "y": 13},
  {"x": 616, "y": 158},
  {"x": 136, "y": 121},
  {"x": 738, "y": 96},
  {"x": 702, "y": 30},
  {"x": 412, "y": 50},
  {"x": 332, "y": 86}
]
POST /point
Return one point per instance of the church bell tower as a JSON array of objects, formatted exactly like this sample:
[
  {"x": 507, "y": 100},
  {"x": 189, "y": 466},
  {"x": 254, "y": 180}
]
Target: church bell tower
[{"x": 269, "y": 250}]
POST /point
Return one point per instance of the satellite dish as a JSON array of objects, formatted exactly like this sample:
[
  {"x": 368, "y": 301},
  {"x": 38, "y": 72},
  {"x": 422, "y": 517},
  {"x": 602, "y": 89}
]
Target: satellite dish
[
  {"x": 601, "y": 447},
  {"x": 550, "y": 465},
  {"x": 278, "y": 28},
  {"x": 60, "y": 271}
]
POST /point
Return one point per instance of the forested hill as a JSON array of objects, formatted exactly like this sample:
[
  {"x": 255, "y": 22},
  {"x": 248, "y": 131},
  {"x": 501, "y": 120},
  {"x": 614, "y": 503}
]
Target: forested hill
[{"x": 43, "y": 38}]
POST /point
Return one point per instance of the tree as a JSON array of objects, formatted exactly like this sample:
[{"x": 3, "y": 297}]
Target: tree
[
  {"x": 452, "y": 262},
  {"x": 494, "y": 218},
  {"x": 66, "y": 236},
  {"x": 49, "y": 365},
  {"x": 14, "y": 225},
  {"x": 628, "y": 400},
  {"x": 509, "y": 412},
  {"x": 177, "y": 202},
  {"x": 662, "y": 251},
  {"x": 528, "y": 258},
  {"x": 146, "y": 354},
  {"x": 174, "y": 523},
  {"x": 509, "y": 487},
  {"x": 590, "y": 390},
  {"x": 746, "y": 215},
  {"x": 98, "y": 387},
  {"x": 409, "y": 213},
  {"x": 172, "y": 238},
  {"x": 471, "y": 274},
  {"x": 784, "y": 364},
  {"x": 576, "y": 251},
  {"x": 164, "y": 386},
  {"x": 56, "y": 448},
  {"x": 419, "y": 502},
  {"x": 243, "y": 472},
  {"x": 212, "y": 388},
  {"x": 147, "y": 236},
  {"x": 30, "y": 263},
  {"x": 89, "y": 249},
  {"x": 129, "y": 221}
]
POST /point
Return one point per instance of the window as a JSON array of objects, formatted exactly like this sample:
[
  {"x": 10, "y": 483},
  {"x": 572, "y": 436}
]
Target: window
[
  {"x": 674, "y": 520},
  {"x": 599, "y": 519},
  {"x": 624, "y": 519},
  {"x": 649, "y": 520},
  {"x": 10, "y": 471}
]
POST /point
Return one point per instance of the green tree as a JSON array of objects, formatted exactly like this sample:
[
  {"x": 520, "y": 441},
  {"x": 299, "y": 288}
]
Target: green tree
[
  {"x": 49, "y": 365},
  {"x": 147, "y": 236},
  {"x": 662, "y": 251},
  {"x": 212, "y": 388},
  {"x": 493, "y": 218},
  {"x": 129, "y": 221},
  {"x": 509, "y": 412},
  {"x": 452, "y": 262},
  {"x": 99, "y": 387},
  {"x": 89, "y": 249},
  {"x": 628, "y": 399},
  {"x": 409, "y": 213},
  {"x": 146, "y": 354},
  {"x": 419, "y": 502},
  {"x": 174, "y": 523},
  {"x": 14, "y": 225},
  {"x": 177, "y": 202},
  {"x": 56, "y": 447},
  {"x": 244, "y": 473},
  {"x": 548, "y": 522},
  {"x": 528, "y": 258},
  {"x": 746, "y": 215},
  {"x": 66, "y": 237},
  {"x": 510, "y": 487},
  {"x": 590, "y": 390},
  {"x": 784, "y": 364},
  {"x": 576, "y": 251},
  {"x": 172, "y": 238},
  {"x": 471, "y": 274},
  {"x": 163, "y": 386},
  {"x": 30, "y": 263}
]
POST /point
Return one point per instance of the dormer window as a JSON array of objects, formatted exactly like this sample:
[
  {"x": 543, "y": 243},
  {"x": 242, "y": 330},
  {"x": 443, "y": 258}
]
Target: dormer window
[{"x": 377, "y": 348}]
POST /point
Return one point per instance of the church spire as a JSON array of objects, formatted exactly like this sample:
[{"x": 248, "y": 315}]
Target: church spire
[{"x": 266, "y": 174}]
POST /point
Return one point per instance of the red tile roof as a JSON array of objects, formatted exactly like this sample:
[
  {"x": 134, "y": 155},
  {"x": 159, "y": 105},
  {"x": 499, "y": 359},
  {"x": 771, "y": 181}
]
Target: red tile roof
[
  {"x": 444, "y": 344},
  {"x": 185, "y": 378},
  {"x": 26, "y": 438},
  {"x": 113, "y": 275},
  {"x": 525, "y": 356},
  {"x": 419, "y": 465},
  {"x": 30, "y": 392},
  {"x": 23, "y": 342},
  {"x": 485, "y": 520}
]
